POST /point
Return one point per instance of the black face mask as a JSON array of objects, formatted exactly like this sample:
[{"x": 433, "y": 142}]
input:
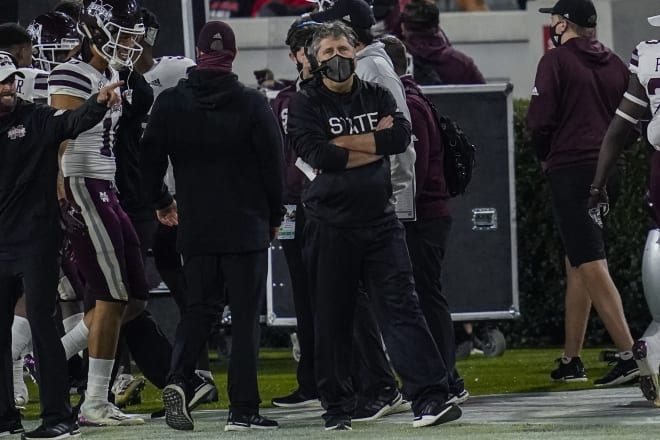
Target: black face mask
[
  {"x": 556, "y": 38},
  {"x": 338, "y": 68}
]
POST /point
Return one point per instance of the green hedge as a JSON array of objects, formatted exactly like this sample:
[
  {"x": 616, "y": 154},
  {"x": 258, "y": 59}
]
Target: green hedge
[{"x": 540, "y": 253}]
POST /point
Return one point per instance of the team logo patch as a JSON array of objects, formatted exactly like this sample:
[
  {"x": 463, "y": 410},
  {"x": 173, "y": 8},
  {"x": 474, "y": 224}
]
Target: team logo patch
[
  {"x": 16, "y": 132},
  {"x": 104, "y": 197}
]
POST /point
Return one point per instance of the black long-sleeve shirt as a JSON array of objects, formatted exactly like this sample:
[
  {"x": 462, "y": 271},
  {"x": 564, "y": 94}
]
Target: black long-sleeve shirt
[
  {"x": 30, "y": 137},
  {"x": 349, "y": 197},
  {"x": 226, "y": 152}
]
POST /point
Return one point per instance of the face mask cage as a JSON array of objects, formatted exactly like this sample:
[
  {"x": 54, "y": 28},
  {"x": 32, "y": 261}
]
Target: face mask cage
[
  {"x": 45, "y": 55},
  {"x": 122, "y": 48}
]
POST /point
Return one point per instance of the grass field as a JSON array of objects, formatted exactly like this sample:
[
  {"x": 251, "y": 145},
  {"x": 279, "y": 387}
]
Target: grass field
[{"x": 517, "y": 371}]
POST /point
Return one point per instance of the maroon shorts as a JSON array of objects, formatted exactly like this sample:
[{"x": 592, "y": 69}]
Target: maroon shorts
[{"x": 108, "y": 253}]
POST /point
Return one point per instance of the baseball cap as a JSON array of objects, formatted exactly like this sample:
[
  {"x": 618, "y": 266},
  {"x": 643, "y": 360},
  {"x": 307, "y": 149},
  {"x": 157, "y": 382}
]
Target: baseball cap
[
  {"x": 580, "y": 12},
  {"x": 357, "y": 13},
  {"x": 8, "y": 67},
  {"x": 654, "y": 21},
  {"x": 216, "y": 31}
]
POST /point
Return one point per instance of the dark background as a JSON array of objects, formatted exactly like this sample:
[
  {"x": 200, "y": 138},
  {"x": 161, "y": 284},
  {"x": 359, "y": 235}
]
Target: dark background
[{"x": 170, "y": 40}]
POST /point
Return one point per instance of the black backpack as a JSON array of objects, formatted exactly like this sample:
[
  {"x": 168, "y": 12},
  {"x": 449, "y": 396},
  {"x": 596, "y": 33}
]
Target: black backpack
[{"x": 460, "y": 154}]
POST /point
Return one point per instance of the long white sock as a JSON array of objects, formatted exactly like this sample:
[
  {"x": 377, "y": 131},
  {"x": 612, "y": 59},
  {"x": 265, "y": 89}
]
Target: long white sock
[
  {"x": 21, "y": 337},
  {"x": 75, "y": 340},
  {"x": 19, "y": 383},
  {"x": 70, "y": 322},
  {"x": 98, "y": 379}
]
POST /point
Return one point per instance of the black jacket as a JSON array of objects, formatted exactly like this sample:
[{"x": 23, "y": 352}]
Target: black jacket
[
  {"x": 30, "y": 137},
  {"x": 127, "y": 148},
  {"x": 347, "y": 197},
  {"x": 226, "y": 151}
]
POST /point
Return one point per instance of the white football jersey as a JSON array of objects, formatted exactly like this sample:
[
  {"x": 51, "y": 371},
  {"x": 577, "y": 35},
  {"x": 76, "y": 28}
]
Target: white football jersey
[
  {"x": 645, "y": 63},
  {"x": 164, "y": 74},
  {"x": 91, "y": 154},
  {"x": 34, "y": 87}
]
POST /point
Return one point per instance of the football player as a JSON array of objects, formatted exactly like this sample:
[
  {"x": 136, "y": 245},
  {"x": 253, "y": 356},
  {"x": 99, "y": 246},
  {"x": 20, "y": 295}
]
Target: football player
[
  {"x": 105, "y": 243},
  {"x": 643, "y": 94}
]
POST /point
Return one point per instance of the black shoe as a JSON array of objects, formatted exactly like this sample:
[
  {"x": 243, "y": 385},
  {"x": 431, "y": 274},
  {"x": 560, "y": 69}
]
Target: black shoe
[
  {"x": 177, "y": 415},
  {"x": 569, "y": 370},
  {"x": 203, "y": 389},
  {"x": 295, "y": 400},
  {"x": 387, "y": 402},
  {"x": 338, "y": 422},
  {"x": 60, "y": 431},
  {"x": 435, "y": 413},
  {"x": 243, "y": 422},
  {"x": 459, "y": 398},
  {"x": 11, "y": 426},
  {"x": 623, "y": 372}
]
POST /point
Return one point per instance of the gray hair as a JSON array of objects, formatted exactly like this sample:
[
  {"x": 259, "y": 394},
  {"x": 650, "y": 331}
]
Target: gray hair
[{"x": 334, "y": 30}]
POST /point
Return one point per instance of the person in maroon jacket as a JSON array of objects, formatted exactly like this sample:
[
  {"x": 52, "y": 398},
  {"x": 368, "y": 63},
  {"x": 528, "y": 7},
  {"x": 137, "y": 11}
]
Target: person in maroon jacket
[
  {"x": 577, "y": 89},
  {"x": 427, "y": 236},
  {"x": 435, "y": 60}
]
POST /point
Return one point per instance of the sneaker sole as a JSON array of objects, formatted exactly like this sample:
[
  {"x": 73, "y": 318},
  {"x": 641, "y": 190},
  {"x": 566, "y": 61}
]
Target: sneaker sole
[
  {"x": 648, "y": 379},
  {"x": 131, "y": 393},
  {"x": 59, "y": 437},
  {"x": 176, "y": 412},
  {"x": 571, "y": 380},
  {"x": 237, "y": 428},
  {"x": 621, "y": 380},
  {"x": 450, "y": 414},
  {"x": 305, "y": 403},
  {"x": 339, "y": 428}
]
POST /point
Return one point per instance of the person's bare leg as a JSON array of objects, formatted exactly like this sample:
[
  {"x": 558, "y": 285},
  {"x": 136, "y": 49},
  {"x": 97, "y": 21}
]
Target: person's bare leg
[
  {"x": 607, "y": 302},
  {"x": 104, "y": 329},
  {"x": 576, "y": 316}
]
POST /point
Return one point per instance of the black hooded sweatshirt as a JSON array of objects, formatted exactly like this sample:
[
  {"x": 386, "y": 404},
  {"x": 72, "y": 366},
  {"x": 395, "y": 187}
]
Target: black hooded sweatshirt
[{"x": 226, "y": 151}]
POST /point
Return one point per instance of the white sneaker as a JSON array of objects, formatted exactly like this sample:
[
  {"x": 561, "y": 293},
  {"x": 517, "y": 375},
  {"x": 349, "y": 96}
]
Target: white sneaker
[
  {"x": 646, "y": 352},
  {"x": 127, "y": 389},
  {"x": 100, "y": 413}
]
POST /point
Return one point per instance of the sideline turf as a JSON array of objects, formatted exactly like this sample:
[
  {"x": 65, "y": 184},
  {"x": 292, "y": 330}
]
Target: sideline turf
[{"x": 517, "y": 371}]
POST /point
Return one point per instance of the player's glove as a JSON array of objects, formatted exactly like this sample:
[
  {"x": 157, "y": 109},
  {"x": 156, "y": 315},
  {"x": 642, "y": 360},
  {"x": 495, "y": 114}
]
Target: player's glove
[
  {"x": 598, "y": 205},
  {"x": 72, "y": 221}
]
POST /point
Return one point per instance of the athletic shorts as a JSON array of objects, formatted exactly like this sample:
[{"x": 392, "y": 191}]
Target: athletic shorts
[
  {"x": 108, "y": 253},
  {"x": 569, "y": 190}
]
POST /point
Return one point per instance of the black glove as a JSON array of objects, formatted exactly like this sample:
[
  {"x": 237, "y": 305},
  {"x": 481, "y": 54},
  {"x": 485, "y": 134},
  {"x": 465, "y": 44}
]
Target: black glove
[
  {"x": 598, "y": 205},
  {"x": 72, "y": 221}
]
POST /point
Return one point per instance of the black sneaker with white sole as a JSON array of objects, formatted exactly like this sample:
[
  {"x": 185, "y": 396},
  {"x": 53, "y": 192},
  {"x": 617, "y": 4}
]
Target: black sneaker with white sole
[
  {"x": 177, "y": 415},
  {"x": 59, "y": 431},
  {"x": 11, "y": 425},
  {"x": 624, "y": 371},
  {"x": 436, "y": 413},
  {"x": 296, "y": 399},
  {"x": 337, "y": 422},
  {"x": 202, "y": 390},
  {"x": 387, "y": 402},
  {"x": 245, "y": 422},
  {"x": 459, "y": 398},
  {"x": 569, "y": 370}
]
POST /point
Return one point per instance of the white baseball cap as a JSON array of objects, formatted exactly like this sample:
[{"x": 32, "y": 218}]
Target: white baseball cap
[
  {"x": 8, "y": 67},
  {"x": 654, "y": 21}
]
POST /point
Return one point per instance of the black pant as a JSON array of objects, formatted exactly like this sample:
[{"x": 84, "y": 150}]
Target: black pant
[
  {"x": 244, "y": 278},
  {"x": 337, "y": 259},
  {"x": 37, "y": 276},
  {"x": 303, "y": 304},
  {"x": 427, "y": 241},
  {"x": 371, "y": 369}
]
